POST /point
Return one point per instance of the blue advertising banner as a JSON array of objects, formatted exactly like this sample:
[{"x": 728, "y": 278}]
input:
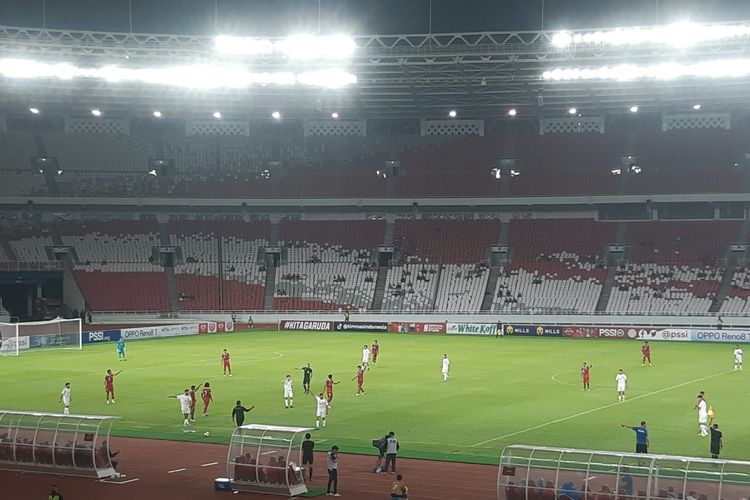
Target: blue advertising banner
[{"x": 101, "y": 336}]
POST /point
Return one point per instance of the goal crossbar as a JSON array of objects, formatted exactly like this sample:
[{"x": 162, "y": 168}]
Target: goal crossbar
[{"x": 58, "y": 333}]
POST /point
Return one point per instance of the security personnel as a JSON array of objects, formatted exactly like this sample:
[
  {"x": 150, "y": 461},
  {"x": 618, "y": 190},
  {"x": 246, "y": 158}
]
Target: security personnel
[{"x": 54, "y": 494}]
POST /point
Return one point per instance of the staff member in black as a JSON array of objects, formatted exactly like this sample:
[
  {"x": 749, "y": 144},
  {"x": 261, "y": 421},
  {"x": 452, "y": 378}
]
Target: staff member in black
[
  {"x": 308, "y": 445},
  {"x": 306, "y": 377},
  {"x": 333, "y": 471},
  {"x": 716, "y": 442},
  {"x": 238, "y": 413},
  {"x": 54, "y": 494}
]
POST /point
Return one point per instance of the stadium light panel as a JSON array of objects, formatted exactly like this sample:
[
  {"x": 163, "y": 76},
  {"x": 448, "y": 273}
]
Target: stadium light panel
[
  {"x": 496, "y": 173},
  {"x": 96, "y": 112},
  {"x": 572, "y": 111},
  {"x": 152, "y": 172},
  {"x": 512, "y": 112},
  {"x": 720, "y": 68},
  {"x": 34, "y": 111},
  {"x": 633, "y": 109},
  {"x": 678, "y": 35},
  {"x": 304, "y": 47},
  {"x": 157, "y": 114},
  {"x": 198, "y": 76},
  {"x": 696, "y": 107},
  {"x": 334, "y": 115},
  {"x": 276, "y": 115},
  {"x": 217, "y": 115},
  {"x": 616, "y": 171},
  {"x": 452, "y": 113},
  {"x": 59, "y": 172}
]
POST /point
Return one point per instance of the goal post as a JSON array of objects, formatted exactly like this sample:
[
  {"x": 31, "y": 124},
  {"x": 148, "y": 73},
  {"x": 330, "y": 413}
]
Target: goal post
[{"x": 58, "y": 333}]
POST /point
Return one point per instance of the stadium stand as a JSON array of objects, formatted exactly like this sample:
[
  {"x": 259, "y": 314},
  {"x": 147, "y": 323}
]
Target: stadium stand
[
  {"x": 30, "y": 245},
  {"x": 98, "y": 151},
  {"x": 114, "y": 265},
  {"x": 197, "y": 272},
  {"x": 461, "y": 287},
  {"x": 444, "y": 240},
  {"x": 557, "y": 265},
  {"x": 673, "y": 266},
  {"x": 244, "y": 276},
  {"x": 411, "y": 287},
  {"x": 737, "y": 301},
  {"x": 328, "y": 264}
]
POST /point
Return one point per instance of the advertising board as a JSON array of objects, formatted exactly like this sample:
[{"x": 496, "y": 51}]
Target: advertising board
[
  {"x": 714, "y": 335},
  {"x": 409, "y": 327},
  {"x": 305, "y": 325},
  {"x": 359, "y": 326},
  {"x": 101, "y": 336},
  {"x": 516, "y": 330},
  {"x": 471, "y": 328}
]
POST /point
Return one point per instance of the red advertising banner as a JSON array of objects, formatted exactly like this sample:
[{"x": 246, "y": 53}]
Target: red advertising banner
[
  {"x": 220, "y": 325},
  {"x": 407, "y": 327},
  {"x": 597, "y": 332},
  {"x": 202, "y": 327}
]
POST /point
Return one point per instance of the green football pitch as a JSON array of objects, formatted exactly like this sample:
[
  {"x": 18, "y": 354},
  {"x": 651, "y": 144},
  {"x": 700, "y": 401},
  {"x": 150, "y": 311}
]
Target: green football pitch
[{"x": 500, "y": 391}]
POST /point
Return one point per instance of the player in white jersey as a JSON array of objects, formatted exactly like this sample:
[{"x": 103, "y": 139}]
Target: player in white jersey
[
  {"x": 737, "y": 357},
  {"x": 365, "y": 358},
  {"x": 702, "y": 407},
  {"x": 65, "y": 398},
  {"x": 445, "y": 366},
  {"x": 185, "y": 401},
  {"x": 321, "y": 412},
  {"x": 288, "y": 392},
  {"x": 622, "y": 383}
]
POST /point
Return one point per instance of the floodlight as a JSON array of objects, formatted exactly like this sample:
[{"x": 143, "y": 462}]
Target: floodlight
[
  {"x": 34, "y": 111},
  {"x": 152, "y": 172},
  {"x": 157, "y": 114},
  {"x": 294, "y": 47},
  {"x": 452, "y": 113},
  {"x": 330, "y": 78},
  {"x": 696, "y": 107},
  {"x": 633, "y": 109},
  {"x": 59, "y": 172},
  {"x": 496, "y": 173},
  {"x": 664, "y": 71},
  {"x": 514, "y": 173},
  {"x": 96, "y": 112},
  {"x": 616, "y": 171},
  {"x": 334, "y": 115},
  {"x": 217, "y": 115},
  {"x": 635, "y": 169},
  {"x": 572, "y": 111},
  {"x": 512, "y": 112},
  {"x": 276, "y": 115}
]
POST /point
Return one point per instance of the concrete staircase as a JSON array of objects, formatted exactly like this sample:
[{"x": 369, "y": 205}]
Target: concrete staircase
[
  {"x": 436, "y": 277},
  {"x": 732, "y": 258},
  {"x": 390, "y": 229},
  {"x": 8, "y": 250},
  {"x": 489, "y": 291},
  {"x": 377, "y": 299},
  {"x": 612, "y": 260},
  {"x": 273, "y": 238},
  {"x": 169, "y": 276},
  {"x": 270, "y": 282}
]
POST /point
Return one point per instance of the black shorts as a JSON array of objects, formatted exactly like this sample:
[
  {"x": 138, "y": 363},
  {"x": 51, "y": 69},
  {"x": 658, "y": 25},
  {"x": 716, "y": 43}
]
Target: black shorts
[
  {"x": 306, "y": 381},
  {"x": 307, "y": 459},
  {"x": 641, "y": 448}
]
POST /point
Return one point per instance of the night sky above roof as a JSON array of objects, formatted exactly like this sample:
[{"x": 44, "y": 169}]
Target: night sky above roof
[{"x": 280, "y": 17}]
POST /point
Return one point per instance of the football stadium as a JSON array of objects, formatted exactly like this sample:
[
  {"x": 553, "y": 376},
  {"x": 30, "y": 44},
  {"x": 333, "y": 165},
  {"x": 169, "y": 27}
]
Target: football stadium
[{"x": 426, "y": 249}]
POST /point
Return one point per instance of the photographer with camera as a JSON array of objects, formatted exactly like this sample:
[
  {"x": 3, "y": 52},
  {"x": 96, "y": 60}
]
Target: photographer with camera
[{"x": 382, "y": 445}]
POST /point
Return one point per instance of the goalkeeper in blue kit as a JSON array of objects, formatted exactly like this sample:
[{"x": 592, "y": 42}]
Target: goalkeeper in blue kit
[{"x": 121, "y": 350}]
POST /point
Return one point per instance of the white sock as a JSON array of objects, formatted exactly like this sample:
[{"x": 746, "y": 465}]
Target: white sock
[
  {"x": 286, "y": 403},
  {"x": 317, "y": 424},
  {"x": 291, "y": 402},
  {"x": 324, "y": 423}
]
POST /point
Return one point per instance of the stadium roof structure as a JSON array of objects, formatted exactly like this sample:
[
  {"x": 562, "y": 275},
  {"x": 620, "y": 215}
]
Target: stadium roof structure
[{"x": 482, "y": 75}]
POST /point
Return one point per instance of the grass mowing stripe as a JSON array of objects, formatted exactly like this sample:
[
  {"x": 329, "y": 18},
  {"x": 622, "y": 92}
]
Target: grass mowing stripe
[{"x": 592, "y": 410}]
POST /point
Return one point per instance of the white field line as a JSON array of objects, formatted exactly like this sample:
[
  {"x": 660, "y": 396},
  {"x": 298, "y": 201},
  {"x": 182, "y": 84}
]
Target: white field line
[
  {"x": 119, "y": 482},
  {"x": 176, "y": 470},
  {"x": 209, "y": 464},
  {"x": 592, "y": 410}
]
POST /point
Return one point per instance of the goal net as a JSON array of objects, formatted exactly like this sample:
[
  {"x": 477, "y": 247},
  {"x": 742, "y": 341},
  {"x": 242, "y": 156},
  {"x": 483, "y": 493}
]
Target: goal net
[{"x": 53, "y": 334}]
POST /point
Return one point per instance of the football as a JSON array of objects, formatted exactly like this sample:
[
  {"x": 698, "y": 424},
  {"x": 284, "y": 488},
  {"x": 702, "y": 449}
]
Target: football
[{"x": 206, "y": 434}]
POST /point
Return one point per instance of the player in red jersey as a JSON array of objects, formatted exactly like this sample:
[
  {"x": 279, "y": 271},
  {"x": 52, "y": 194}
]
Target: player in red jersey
[
  {"x": 329, "y": 388},
  {"x": 586, "y": 376},
  {"x": 109, "y": 386},
  {"x": 206, "y": 397},
  {"x": 225, "y": 362},
  {"x": 193, "y": 400},
  {"x": 646, "y": 351},
  {"x": 360, "y": 376},
  {"x": 375, "y": 349}
]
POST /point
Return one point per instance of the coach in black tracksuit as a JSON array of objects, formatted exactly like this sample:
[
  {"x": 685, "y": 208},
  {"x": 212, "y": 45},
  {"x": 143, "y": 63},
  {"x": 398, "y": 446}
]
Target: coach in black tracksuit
[{"x": 238, "y": 413}]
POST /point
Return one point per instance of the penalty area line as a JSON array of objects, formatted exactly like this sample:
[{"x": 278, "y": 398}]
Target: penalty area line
[{"x": 592, "y": 410}]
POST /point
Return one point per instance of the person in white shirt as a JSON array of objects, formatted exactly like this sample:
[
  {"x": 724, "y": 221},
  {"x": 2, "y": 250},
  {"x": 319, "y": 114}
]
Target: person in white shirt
[
  {"x": 321, "y": 410},
  {"x": 702, "y": 407},
  {"x": 737, "y": 357},
  {"x": 185, "y": 401},
  {"x": 622, "y": 383},
  {"x": 365, "y": 358},
  {"x": 445, "y": 366},
  {"x": 65, "y": 398},
  {"x": 288, "y": 393}
]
